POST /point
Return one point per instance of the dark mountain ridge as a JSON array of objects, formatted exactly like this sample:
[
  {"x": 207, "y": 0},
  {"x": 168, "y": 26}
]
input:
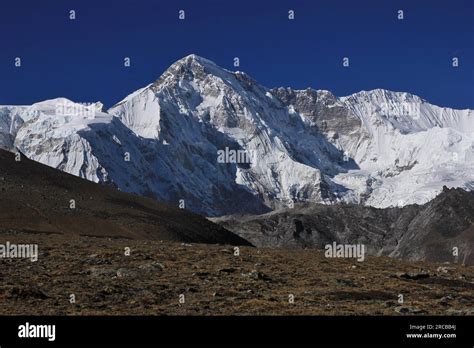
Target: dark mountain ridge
[{"x": 415, "y": 232}]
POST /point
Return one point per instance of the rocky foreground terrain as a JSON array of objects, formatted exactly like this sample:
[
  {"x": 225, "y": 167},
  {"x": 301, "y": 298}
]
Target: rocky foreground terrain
[{"x": 214, "y": 281}]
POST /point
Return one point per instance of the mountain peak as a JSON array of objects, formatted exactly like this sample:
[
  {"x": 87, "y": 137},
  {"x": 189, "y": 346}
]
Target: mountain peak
[
  {"x": 193, "y": 61},
  {"x": 190, "y": 67},
  {"x": 198, "y": 59}
]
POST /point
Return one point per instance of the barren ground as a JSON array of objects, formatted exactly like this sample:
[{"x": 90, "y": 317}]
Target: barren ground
[{"x": 215, "y": 282}]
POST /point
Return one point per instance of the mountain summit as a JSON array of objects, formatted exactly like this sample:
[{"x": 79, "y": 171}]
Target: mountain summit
[{"x": 217, "y": 142}]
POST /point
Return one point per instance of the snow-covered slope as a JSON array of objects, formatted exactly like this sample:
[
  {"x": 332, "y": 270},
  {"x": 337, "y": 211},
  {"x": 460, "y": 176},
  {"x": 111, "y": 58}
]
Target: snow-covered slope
[
  {"x": 405, "y": 149},
  {"x": 176, "y": 138},
  {"x": 80, "y": 140},
  {"x": 413, "y": 148},
  {"x": 10, "y": 121}
]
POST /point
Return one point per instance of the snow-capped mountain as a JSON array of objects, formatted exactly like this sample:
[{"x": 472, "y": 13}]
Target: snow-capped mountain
[{"x": 217, "y": 142}]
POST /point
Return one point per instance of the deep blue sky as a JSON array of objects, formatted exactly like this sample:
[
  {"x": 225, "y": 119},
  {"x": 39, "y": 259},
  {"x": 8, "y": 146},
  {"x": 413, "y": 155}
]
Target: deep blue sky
[{"x": 83, "y": 59}]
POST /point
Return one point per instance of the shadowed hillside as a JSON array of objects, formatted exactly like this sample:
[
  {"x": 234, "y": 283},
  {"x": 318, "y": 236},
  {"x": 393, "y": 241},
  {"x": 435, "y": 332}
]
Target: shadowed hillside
[{"x": 37, "y": 198}]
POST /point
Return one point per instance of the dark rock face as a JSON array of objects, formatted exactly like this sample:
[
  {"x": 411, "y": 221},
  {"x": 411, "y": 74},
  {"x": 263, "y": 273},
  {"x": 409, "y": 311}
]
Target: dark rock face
[
  {"x": 322, "y": 108},
  {"x": 442, "y": 224},
  {"x": 325, "y": 112},
  {"x": 436, "y": 231}
]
